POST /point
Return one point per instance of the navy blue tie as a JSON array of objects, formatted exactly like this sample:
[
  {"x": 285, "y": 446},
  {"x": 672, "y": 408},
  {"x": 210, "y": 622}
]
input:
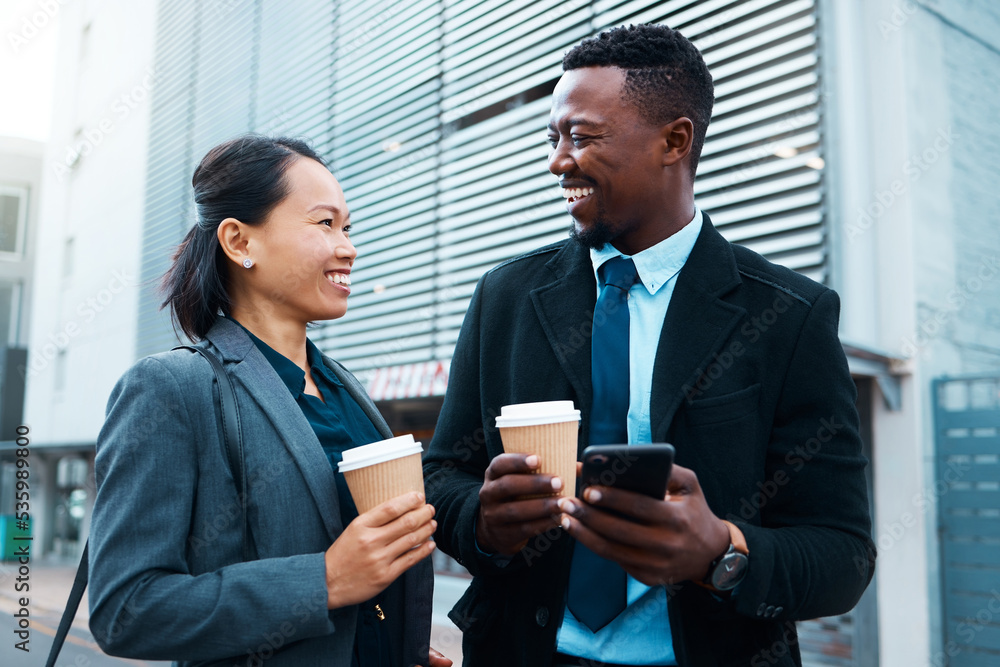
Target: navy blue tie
[{"x": 597, "y": 586}]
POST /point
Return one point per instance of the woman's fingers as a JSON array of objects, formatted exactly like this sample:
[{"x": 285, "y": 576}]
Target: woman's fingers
[
  {"x": 408, "y": 523},
  {"x": 411, "y": 539},
  {"x": 410, "y": 558},
  {"x": 391, "y": 509}
]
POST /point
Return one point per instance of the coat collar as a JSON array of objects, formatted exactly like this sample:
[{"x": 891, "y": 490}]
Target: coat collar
[{"x": 697, "y": 324}]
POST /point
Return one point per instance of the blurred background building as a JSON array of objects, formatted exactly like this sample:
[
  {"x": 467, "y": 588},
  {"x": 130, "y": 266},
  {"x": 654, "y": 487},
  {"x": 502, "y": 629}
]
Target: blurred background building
[{"x": 852, "y": 141}]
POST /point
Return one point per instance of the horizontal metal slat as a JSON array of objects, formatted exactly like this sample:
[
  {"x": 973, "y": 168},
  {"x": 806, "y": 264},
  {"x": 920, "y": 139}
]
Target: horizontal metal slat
[
  {"x": 755, "y": 79},
  {"x": 779, "y": 108},
  {"x": 782, "y": 243},
  {"x": 470, "y": 240},
  {"x": 490, "y": 257},
  {"x": 535, "y": 39},
  {"x": 421, "y": 51},
  {"x": 405, "y": 312},
  {"x": 378, "y": 226},
  {"x": 485, "y": 198},
  {"x": 410, "y": 115},
  {"x": 513, "y": 212},
  {"x": 783, "y": 49},
  {"x": 742, "y": 232},
  {"x": 768, "y": 166},
  {"x": 722, "y": 170},
  {"x": 391, "y": 288},
  {"x": 369, "y": 153},
  {"x": 756, "y": 134},
  {"x": 753, "y": 98},
  {"x": 741, "y": 195},
  {"x": 521, "y": 121},
  {"x": 743, "y": 34},
  {"x": 767, "y": 208},
  {"x": 468, "y": 18},
  {"x": 494, "y": 175},
  {"x": 360, "y": 42},
  {"x": 393, "y": 183},
  {"x": 395, "y": 341}
]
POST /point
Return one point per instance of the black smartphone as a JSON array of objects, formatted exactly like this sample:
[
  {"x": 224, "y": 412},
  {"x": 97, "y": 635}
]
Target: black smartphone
[{"x": 640, "y": 468}]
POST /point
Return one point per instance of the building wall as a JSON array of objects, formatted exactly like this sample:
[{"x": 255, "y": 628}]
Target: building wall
[
  {"x": 918, "y": 265},
  {"x": 89, "y": 226}
]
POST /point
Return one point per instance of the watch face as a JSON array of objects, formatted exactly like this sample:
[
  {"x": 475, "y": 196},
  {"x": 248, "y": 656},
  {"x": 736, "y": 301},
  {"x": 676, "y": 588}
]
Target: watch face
[{"x": 730, "y": 571}]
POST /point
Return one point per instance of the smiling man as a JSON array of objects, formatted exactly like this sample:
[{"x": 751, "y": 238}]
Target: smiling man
[{"x": 644, "y": 319}]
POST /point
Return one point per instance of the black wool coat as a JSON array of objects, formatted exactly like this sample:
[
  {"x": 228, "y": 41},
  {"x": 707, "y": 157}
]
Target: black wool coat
[{"x": 750, "y": 385}]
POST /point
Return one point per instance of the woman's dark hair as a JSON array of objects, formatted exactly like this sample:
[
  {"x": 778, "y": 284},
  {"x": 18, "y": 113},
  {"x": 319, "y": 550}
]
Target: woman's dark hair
[{"x": 243, "y": 178}]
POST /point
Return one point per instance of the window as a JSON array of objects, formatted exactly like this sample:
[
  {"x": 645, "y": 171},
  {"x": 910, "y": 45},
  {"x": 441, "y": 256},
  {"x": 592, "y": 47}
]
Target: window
[
  {"x": 12, "y": 214},
  {"x": 68, "y": 259},
  {"x": 9, "y": 293},
  {"x": 61, "y": 371}
]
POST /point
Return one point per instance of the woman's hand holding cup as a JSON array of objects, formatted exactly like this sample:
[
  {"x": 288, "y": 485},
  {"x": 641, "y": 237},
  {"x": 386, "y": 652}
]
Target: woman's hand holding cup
[{"x": 377, "y": 547}]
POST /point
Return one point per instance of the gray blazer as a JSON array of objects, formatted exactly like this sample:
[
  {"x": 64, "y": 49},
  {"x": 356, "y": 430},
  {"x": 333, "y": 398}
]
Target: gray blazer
[{"x": 166, "y": 577}]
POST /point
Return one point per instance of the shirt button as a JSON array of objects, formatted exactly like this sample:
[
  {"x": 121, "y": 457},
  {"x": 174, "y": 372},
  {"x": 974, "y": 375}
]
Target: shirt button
[
  {"x": 542, "y": 616},
  {"x": 778, "y": 610},
  {"x": 761, "y": 608},
  {"x": 769, "y": 612}
]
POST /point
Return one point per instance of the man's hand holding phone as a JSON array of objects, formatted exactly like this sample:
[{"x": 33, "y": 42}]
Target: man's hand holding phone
[{"x": 658, "y": 541}]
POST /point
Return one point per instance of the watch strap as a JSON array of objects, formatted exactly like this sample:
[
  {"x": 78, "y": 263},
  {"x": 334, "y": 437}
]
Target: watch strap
[
  {"x": 737, "y": 543},
  {"x": 736, "y": 537}
]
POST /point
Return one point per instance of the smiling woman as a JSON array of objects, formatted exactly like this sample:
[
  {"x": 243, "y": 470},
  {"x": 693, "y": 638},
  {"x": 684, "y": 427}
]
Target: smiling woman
[{"x": 318, "y": 584}]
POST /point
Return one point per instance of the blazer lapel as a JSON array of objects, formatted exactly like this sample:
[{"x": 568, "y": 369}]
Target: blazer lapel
[
  {"x": 263, "y": 384},
  {"x": 697, "y": 324},
  {"x": 565, "y": 309}
]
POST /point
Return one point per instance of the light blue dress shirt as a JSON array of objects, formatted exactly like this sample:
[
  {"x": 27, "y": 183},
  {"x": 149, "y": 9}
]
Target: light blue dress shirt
[{"x": 641, "y": 634}]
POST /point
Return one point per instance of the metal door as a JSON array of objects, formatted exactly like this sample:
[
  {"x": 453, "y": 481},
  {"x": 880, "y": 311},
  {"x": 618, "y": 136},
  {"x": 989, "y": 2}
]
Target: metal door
[{"x": 967, "y": 489}]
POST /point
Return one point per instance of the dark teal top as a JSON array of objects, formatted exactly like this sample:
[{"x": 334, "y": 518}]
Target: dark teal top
[{"x": 339, "y": 424}]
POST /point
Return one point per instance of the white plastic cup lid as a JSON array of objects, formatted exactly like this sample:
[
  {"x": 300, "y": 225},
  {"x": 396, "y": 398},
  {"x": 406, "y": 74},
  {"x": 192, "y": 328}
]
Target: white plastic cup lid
[
  {"x": 379, "y": 452},
  {"x": 533, "y": 414}
]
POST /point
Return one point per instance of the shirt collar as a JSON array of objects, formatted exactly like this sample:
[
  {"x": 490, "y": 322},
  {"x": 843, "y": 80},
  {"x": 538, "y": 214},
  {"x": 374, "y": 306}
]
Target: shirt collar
[
  {"x": 291, "y": 375},
  {"x": 657, "y": 264}
]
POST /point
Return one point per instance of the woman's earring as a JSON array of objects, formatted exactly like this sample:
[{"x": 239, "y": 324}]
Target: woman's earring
[{"x": 247, "y": 263}]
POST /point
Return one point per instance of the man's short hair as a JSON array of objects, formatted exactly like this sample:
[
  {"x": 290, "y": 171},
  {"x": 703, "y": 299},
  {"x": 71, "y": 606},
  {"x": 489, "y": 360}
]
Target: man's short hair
[{"x": 665, "y": 75}]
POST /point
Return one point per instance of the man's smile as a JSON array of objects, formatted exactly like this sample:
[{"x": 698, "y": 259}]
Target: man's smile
[{"x": 572, "y": 195}]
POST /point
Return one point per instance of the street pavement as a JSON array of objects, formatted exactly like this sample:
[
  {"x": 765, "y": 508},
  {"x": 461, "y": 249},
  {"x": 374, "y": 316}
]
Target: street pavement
[{"x": 50, "y": 584}]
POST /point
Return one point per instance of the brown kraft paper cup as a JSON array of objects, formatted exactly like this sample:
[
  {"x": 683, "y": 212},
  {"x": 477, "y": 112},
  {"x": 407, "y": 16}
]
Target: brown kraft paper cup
[
  {"x": 373, "y": 485},
  {"x": 555, "y": 444}
]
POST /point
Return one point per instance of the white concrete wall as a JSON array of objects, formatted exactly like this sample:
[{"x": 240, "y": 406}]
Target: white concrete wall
[
  {"x": 102, "y": 109},
  {"x": 916, "y": 149}
]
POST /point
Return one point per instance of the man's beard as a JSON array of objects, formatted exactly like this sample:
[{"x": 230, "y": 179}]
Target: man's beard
[{"x": 596, "y": 236}]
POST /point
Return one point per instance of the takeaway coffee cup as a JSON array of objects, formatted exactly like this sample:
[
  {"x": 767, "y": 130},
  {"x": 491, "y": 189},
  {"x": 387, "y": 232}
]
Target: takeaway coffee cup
[
  {"x": 548, "y": 429},
  {"x": 382, "y": 470}
]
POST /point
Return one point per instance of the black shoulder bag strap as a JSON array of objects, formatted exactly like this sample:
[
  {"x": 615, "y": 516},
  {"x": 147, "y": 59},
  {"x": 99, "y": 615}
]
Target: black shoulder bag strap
[
  {"x": 233, "y": 440},
  {"x": 232, "y": 435}
]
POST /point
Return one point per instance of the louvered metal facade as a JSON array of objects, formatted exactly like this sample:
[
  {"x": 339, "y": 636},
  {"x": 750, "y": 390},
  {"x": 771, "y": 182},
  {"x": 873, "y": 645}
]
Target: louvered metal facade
[{"x": 432, "y": 115}]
